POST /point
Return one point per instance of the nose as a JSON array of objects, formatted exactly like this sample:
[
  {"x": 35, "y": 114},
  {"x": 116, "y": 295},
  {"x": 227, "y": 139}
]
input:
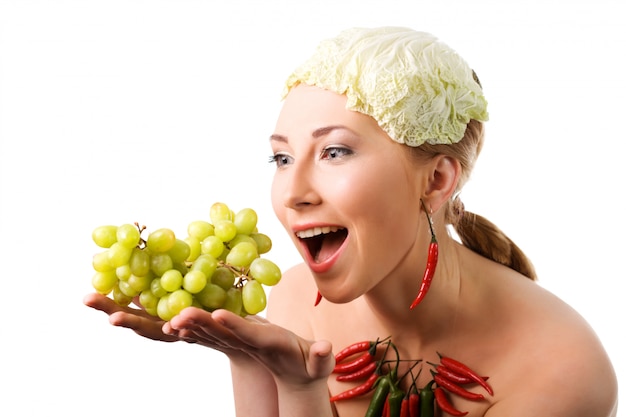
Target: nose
[{"x": 299, "y": 186}]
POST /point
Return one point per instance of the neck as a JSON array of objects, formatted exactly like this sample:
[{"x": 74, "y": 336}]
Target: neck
[{"x": 435, "y": 317}]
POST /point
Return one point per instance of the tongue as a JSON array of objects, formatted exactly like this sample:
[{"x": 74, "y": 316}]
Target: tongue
[{"x": 331, "y": 244}]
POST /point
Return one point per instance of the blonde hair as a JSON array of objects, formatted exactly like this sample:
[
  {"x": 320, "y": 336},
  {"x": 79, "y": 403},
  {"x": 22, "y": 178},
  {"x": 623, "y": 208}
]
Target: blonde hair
[{"x": 476, "y": 232}]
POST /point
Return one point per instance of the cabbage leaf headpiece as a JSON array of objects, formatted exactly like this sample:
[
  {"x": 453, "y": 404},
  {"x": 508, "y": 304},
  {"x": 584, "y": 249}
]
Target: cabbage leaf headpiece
[{"x": 416, "y": 87}]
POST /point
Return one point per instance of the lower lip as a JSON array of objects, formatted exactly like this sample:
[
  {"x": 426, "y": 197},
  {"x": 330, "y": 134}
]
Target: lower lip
[{"x": 322, "y": 267}]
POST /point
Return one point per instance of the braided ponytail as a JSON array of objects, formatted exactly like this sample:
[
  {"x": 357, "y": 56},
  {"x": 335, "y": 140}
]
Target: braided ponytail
[{"x": 485, "y": 238}]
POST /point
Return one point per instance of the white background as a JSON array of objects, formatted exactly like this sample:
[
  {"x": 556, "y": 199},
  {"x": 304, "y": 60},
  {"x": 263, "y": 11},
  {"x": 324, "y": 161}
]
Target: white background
[{"x": 150, "y": 111}]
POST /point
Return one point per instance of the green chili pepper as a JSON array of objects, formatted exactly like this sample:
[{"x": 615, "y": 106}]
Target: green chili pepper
[
  {"x": 377, "y": 403},
  {"x": 396, "y": 396},
  {"x": 427, "y": 400}
]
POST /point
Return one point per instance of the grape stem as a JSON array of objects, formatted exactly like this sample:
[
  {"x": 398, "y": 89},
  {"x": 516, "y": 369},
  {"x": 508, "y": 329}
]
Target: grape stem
[
  {"x": 142, "y": 241},
  {"x": 241, "y": 273}
]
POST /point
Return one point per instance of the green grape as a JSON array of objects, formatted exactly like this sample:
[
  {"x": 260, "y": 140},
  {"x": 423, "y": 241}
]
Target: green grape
[
  {"x": 128, "y": 235},
  {"x": 139, "y": 262},
  {"x": 160, "y": 263},
  {"x": 100, "y": 262},
  {"x": 206, "y": 264},
  {"x": 253, "y": 297},
  {"x": 127, "y": 289},
  {"x": 220, "y": 211},
  {"x": 246, "y": 220},
  {"x": 148, "y": 300},
  {"x": 179, "y": 300},
  {"x": 200, "y": 229},
  {"x": 123, "y": 272},
  {"x": 223, "y": 277},
  {"x": 212, "y": 296},
  {"x": 104, "y": 282},
  {"x": 241, "y": 238},
  {"x": 156, "y": 288},
  {"x": 233, "y": 301},
  {"x": 224, "y": 254},
  {"x": 212, "y": 245},
  {"x": 265, "y": 271},
  {"x": 180, "y": 267},
  {"x": 161, "y": 240},
  {"x": 119, "y": 254},
  {"x": 206, "y": 269},
  {"x": 195, "y": 249},
  {"x": 172, "y": 280},
  {"x": 139, "y": 283},
  {"x": 104, "y": 236},
  {"x": 242, "y": 255},
  {"x": 180, "y": 251},
  {"x": 120, "y": 298},
  {"x": 194, "y": 281},
  {"x": 263, "y": 242},
  {"x": 225, "y": 230},
  {"x": 163, "y": 309}
]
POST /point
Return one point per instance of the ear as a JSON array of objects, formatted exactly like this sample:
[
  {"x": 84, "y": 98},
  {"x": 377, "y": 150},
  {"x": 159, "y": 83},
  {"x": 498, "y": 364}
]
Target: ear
[{"x": 442, "y": 181}]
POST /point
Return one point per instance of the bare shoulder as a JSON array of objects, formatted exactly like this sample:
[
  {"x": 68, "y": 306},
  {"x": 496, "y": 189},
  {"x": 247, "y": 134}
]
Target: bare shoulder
[
  {"x": 292, "y": 299},
  {"x": 557, "y": 366}
]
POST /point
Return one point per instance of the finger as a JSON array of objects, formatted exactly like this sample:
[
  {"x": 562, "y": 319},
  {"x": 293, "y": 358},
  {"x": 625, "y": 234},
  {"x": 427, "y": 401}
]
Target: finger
[
  {"x": 107, "y": 305},
  {"x": 100, "y": 302},
  {"x": 143, "y": 326},
  {"x": 194, "y": 323},
  {"x": 321, "y": 359},
  {"x": 246, "y": 330}
]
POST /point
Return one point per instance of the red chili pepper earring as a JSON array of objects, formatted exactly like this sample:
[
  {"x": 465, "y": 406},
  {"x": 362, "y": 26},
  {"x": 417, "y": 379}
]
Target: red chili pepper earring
[{"x": 431, "y": 262}]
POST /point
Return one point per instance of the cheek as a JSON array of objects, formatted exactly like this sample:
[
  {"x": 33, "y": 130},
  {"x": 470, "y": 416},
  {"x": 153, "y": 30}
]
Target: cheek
[
  {"x": 277, "y": 191},
  {"x": 384, "y": 191},
  {"x": 385, "y": 210}
]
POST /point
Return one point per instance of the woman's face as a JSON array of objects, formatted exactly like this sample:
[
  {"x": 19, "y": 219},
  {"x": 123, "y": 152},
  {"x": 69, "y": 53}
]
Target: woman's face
[{"x": 347, "y": 194}]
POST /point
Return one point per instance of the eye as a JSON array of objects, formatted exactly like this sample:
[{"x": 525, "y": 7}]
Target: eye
[
  {"x": 280, "y": 159},
  {"x": 335, "y": 152}
]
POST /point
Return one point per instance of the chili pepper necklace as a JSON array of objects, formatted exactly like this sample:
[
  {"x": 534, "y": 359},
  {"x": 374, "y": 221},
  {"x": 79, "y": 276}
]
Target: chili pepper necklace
[{"x": 380, "y": 378}]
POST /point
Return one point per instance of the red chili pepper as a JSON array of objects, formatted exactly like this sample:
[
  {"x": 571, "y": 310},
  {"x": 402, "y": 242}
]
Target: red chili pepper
[
  {"x": 462, "y": 369},
  {"x": 318, "y": 298},
  {"x": 357, "y": 391},
  {"x": 414, "y": 404},
  {"x": 444, "y": 403},
  {"x": 404, "y": 407},
  {"x": 431, "y": 263},
  {"x": 352, "y": 349},
  {"x": 455, "y": 377},
  {"x": 429, "y": 272},
  {"x": 354, "y": 365},
  {"x": 359, "y": 373},
  {"x": 457, "y": 389},
  {"x": 357, "y": 363}
]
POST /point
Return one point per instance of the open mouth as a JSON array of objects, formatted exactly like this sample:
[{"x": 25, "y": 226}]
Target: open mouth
[{"x": 323, "y": 242}]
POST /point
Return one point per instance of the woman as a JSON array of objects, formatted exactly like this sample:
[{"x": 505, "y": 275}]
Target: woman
[{"x": 377, "y": 136}]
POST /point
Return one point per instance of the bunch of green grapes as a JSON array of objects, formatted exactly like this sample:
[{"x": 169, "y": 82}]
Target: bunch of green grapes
[{"x": 217, "y": 265}]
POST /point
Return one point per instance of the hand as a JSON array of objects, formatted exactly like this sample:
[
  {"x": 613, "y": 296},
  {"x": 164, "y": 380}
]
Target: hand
[
  {"x": 288, "y": 357},
  {"x": 135, "y": 319}
]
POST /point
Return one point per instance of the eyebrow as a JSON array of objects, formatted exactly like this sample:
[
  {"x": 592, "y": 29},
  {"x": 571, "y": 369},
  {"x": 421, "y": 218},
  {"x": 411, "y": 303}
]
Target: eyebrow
[{"x": 317, "y": 133}]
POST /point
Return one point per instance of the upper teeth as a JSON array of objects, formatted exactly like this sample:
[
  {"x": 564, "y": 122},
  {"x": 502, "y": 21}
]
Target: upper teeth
[{"x": 316, "y": 231}]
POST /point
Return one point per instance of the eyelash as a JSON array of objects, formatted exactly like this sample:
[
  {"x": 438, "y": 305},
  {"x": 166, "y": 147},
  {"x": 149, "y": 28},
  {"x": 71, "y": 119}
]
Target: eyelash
[
  {"x": 274, "y": 159},
  {"x": 336, "y": 149}
]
